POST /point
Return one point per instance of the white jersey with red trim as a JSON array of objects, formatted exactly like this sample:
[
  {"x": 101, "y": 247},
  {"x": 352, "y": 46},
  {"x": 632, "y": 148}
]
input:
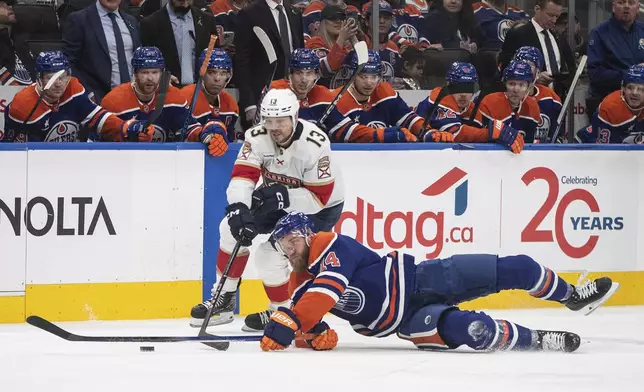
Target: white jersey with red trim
[{"x": 305, "y": 167}]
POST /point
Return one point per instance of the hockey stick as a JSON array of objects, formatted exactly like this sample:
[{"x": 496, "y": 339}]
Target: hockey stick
[
  {"x": 221, "y": 346},
  {"x": 50, "y": 83},
  {"x": 428, "y": 115},
  {"x": 362, "y": 51},
  {"x": 195, "y": 94},
  {"x": 52, "y": 328},
  {"x": 571, "y": 90},
  {"x": 158, "y": 104},
  {"x": 272, "y": 59}
]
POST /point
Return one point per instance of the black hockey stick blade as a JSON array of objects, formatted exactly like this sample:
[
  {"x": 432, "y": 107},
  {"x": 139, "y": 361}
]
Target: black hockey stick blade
[
  {"x": 52, "y": 328},
  {"x": 160, "y": 102}
]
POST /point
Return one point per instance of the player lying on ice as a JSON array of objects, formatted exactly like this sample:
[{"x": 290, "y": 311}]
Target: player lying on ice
[{"x": 381, "y": 296}]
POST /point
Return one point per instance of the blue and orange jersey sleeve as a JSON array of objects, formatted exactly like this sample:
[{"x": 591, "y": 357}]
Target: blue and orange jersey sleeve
[
  {"x": 311, "y": 18},
  {"x": 90, "y": 114},
  {"x": 400, "y": 113},
  {"x": 343, "y": 129},
  {"x": 336, "y": 266}
]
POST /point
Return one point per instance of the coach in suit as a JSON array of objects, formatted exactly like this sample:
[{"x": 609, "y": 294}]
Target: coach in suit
[
  {"x": 559, "y": 58},
  {"x": 283, "y": 25},
  {"x": 99, "y": 42}
]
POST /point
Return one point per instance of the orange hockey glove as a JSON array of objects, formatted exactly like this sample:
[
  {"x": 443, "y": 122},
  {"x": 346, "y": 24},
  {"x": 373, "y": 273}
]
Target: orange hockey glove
[
  {"x": 506, "y": 135},
  {"x": 438, "y": 137},
  {"x": 213, "y": 135},
  {"x": 327, "y": 338},
  {"x": 280, "y": 330},
  {"x": 146, "y": 136}
]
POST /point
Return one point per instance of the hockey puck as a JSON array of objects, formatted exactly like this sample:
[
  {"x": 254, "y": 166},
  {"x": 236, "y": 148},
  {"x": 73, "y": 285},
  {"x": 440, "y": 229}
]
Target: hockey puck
[{"x": 147, "y": 348}]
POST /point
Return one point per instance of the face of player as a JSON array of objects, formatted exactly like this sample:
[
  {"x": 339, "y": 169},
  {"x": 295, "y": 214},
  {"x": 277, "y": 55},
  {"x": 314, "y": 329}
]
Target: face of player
[
  {"x": 634, "y": 95},
  {"x": 463, "y": 100},
  {"x": 147, "y": 80},
  {"x": 547, "y": 16},
  {"x": 7, "y": 17},
  {"x": 626, "y": 10},
  {"x": 110, "y": 5},
  {"x": 295, "y": 248},
  {"x": 215, "y": 80},
  {"x": 516, "y": 90},
  {"x": 302, "y": 81},
  {"x": 58, "y": 88},
  {"x": 453, "y": 5},
  {"x": 280, "y": 128},
  {"x": 365, "y": 83}
]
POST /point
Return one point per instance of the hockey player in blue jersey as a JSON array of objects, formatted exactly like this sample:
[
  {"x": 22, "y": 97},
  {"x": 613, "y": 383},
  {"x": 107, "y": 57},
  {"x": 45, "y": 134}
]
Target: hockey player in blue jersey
[
  {"x": 380, "y": 296},
  {"x": 620, "y": 116},
  {"x": 63, "y": 109},
  {"x": 548, "y": 101}
]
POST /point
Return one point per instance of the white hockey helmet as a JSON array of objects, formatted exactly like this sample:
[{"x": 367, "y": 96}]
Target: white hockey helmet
[{"x": 280, "y": 103}]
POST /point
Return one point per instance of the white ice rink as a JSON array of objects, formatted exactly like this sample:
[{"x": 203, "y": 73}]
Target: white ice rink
[{"x": 611, "y": 360}]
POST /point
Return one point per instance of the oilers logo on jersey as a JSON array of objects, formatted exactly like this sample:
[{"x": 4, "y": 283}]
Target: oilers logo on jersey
[
  {"x": 351, "y": 302},
  {"x": 408, "y": 32},
  {"x": 159, "y": 134},
  {"x": 341, "y": 77},
  {"x": 504, "y": 26},
  {"x": 374, "y": 124},
  {"x": 388, "y": 69},
  {"x": 543, "y": 128},
  {"x": 63, "y": 131}
]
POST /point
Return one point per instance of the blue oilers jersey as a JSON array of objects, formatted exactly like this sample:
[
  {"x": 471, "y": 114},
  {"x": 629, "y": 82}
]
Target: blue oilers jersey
[
  {"x": 60, "y": 122},
  {"x": 407, "y": 25},
  {"x": 124, "y": 103},
  {"x": 314, "y": 104},
  {"x": 354, "y": 283},
  {"x": 549, "y": 108},
  {"x": 496, "y": 106},
  {"x": 224, "y": 109},
  {"x": 614, "y": 122},
  {"x": 495, "y": 24}
]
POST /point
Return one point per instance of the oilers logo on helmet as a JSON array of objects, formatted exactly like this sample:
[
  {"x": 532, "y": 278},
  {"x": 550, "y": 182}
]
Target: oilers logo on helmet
[{"x": 64, "y": 131}]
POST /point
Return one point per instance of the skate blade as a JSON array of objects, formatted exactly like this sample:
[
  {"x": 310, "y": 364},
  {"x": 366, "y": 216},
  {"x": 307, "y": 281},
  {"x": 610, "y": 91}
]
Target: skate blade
[
  {"x": 588, "y": 309},
  {"x": 246, "y": 328},
  {"x": 223, "y": 319}
]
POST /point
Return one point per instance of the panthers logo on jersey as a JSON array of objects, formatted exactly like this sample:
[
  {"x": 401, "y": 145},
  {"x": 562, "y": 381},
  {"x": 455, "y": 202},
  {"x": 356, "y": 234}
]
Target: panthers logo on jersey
[
  {"x": 408, "y": 32},
  {"x": 64, "y": 131},
  {"x": 504, "y": 26}
]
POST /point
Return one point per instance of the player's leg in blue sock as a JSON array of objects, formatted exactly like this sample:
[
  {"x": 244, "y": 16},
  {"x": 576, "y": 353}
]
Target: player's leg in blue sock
[{"x": 523, "y": 272}]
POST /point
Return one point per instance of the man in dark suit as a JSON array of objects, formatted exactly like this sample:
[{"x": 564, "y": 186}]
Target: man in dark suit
[
  {"x": 559, "y": 59},
  {"x": 151, "y": 6},
  {"x": 99, "y": 42},
  {"x": 181, "y": 31},
  {"x": 283, "y": 25}
]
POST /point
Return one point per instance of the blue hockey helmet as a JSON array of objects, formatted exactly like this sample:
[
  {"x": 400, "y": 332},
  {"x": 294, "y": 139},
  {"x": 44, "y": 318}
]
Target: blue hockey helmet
[
  {"x": 147, "y": 57},
  {"x": 303, "y": 58},
  {"x": 219, "y": 59},
  {"x": 462, "y": 78},
  {"x": 373, "y": 65},
  {"x": 294, "y": 222},
  {"x": 635, "y": 74},
  {"x": 532, "y": 54},
  {"x": 518, "y": 70},
  {"x": 51, "y": 62},
  {"x": 383, "y": 7}
]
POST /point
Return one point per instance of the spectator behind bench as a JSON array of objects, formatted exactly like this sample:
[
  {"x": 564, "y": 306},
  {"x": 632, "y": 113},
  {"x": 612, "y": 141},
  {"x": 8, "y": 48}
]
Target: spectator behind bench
[
  {"x": 283, "y": 25},
  {"x": 99, "y": 42},
  {"x": 613, "y": 46},
  {"x": 16, "y": 64},
  {"x": 451, "y": 24},
  {"x": 181, "y": 31}
]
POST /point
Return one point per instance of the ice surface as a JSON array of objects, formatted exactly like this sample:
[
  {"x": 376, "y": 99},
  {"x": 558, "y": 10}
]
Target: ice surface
[{"x": 612, "y": 360}]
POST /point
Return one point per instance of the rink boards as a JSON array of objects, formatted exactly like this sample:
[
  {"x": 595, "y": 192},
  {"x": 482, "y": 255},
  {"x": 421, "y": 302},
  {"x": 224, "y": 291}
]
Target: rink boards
[{"x": 120, "y": 231}]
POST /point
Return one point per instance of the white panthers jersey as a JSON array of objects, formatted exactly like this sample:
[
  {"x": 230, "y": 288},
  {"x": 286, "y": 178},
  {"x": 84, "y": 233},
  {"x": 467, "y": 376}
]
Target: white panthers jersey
[{"x": 305, "y": 167}]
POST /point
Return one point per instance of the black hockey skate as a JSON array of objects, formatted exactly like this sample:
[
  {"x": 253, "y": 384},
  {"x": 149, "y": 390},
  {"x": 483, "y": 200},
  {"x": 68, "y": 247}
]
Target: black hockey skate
[
  {"x": 256, "y": 322},
  {"x": 589, "y": 295},
  {"x": 557, "y": 341},
  {"x": 221, "y": 314}
]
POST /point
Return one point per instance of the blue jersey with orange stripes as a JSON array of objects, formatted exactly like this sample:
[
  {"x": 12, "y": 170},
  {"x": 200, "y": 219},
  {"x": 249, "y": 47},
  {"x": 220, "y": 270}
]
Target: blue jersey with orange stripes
[
  {"x": 549, "y": 109},
  {"x": 224, "y": 109},
  {"x": 614, "y": 122},
  {"x": 124, "y": 103},
  {"x": 495, "y": 24},
  {"x": 406, "y": 27},
  {"x": 314, "y": 104},
  {"x": 56, "y": 123},
  {"x": 496, "y": 106},
  {"x": 352, "y": 121},
  {"x": 354, "y": 283}
]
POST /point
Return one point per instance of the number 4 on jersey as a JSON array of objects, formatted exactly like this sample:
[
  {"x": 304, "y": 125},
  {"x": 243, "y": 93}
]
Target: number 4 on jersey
[{"x": 331, "y": 260}]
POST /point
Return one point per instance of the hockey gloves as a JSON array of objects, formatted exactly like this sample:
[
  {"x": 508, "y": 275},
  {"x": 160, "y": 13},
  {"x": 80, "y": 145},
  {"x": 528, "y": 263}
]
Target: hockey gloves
[
  {"x": 269, "y": 199},
  {"x": 213, "y": 135},
  {"x": 326, "y": 338},
  {"x": 280, "y": 330},
  {"x": 242, "y": 225},
  {"x": 506, "y": 135},
  {"x": 134, "y": 130},
  {"x": 393, "y": 135},
  {"x": 434, "y": 136}
]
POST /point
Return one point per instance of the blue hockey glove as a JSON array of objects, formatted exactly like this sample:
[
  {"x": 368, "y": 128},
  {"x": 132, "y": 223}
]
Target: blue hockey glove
[
  {"x": 393, "y": 135},
  {"x": 280, "y": 330}
]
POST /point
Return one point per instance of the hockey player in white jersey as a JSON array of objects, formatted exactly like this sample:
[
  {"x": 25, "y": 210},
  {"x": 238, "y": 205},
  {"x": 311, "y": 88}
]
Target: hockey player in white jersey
[{"x": 292, "y": 157}]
